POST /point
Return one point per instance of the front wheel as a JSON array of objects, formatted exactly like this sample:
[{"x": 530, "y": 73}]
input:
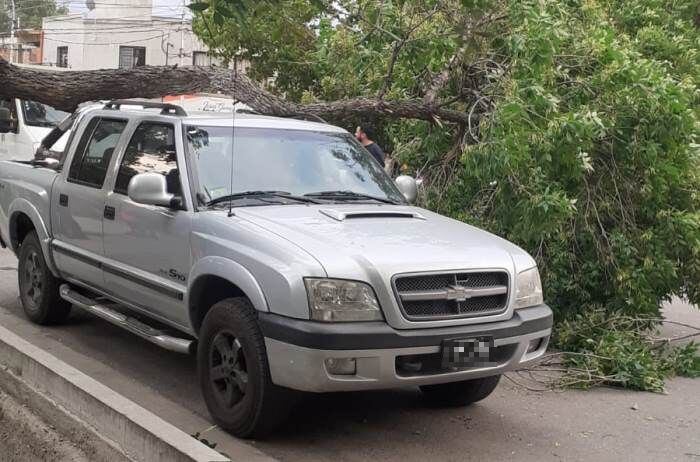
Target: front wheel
[
  {"x": 38, "y": 288},
  {"x": 234, "y": 373},
  {"x": 461, "y": 393}
]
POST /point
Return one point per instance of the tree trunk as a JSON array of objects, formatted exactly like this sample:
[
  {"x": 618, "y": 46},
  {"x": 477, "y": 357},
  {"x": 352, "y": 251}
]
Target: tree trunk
[{"x": 66, "y": 90}]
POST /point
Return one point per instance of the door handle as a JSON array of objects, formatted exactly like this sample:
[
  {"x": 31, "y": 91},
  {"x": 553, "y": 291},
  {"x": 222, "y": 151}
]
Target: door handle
[
  {"x": 110, "y": 213},
  {"x": 63, "y": 200}
]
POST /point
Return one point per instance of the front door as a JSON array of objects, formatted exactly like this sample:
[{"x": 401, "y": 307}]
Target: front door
[
  {"x": 79, "y": 198},
  {"x": 147, "y": 246}
]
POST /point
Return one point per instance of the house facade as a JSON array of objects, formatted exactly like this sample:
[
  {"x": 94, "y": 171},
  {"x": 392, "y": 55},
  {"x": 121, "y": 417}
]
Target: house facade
[
  {"x": 25, "y": 49},
  {"x": 120, "y": 34}
]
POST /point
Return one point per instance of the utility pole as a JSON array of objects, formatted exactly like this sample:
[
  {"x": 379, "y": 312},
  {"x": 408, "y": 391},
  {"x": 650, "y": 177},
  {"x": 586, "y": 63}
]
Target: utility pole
[
  {"x": 12, "y": 32},
  {"x": 182, "y": 41},
  {"x": 182, "y": 33}
]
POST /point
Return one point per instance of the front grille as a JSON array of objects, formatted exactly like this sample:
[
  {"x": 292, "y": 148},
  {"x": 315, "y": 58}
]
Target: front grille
[{"x": 452, "y": 295}]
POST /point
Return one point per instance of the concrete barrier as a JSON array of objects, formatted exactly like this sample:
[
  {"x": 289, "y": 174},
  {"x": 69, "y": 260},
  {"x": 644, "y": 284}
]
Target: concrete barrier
[{"x": 117, "y": 428}]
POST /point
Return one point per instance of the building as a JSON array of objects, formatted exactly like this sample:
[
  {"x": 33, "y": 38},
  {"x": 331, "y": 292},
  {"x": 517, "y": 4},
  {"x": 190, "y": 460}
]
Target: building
[
  {"x": 120, "y": 34},
  {"x": 27, "y": 46}
]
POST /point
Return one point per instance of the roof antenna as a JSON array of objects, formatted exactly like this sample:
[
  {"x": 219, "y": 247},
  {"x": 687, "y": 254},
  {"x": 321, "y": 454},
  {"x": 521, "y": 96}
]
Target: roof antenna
[{"x": 233, "y": 134}]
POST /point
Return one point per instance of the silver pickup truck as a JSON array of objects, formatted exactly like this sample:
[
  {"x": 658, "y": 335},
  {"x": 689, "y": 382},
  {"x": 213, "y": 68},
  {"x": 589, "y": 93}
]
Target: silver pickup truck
[{"x": 276, "y": 250}]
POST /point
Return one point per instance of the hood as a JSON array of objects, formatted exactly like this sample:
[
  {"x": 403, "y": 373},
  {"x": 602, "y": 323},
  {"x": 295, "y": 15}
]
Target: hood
[{"x": 352, "y": 240}]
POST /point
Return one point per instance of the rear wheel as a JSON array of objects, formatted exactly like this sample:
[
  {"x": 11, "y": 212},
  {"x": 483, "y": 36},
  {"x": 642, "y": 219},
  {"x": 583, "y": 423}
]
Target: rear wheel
[
  {"x": 38, "y": 288},
  {"x": 461, "y": 393},
  {"x": 234, "y": 373}
]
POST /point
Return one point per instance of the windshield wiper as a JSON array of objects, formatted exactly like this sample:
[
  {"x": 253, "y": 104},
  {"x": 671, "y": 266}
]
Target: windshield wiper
[
  {"x": 348, "y": 196},
  {"x": 260, "y": 195}
]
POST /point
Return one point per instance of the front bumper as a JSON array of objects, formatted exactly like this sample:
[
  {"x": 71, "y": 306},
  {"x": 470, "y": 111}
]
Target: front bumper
[{"x": 297, "y": 350}]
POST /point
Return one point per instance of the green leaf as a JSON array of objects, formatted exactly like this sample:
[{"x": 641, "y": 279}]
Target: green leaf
[{"x": 198, "y": 7}]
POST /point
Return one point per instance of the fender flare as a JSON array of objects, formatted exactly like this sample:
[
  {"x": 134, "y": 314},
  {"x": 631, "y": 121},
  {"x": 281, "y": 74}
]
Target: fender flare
[
  {"x": 23, "y": 206},
  {"x": 232, "y": 272}
]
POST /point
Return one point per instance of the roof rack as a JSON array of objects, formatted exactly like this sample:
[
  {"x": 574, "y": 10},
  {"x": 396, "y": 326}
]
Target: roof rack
[
  {"x": 166, "y": 108},
  {"x": 306, "y": 117}
]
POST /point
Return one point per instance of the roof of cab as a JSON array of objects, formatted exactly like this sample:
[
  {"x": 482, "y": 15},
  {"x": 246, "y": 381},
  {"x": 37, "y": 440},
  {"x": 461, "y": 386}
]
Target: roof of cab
[
  {"x": 255, "y": 121},
  {"x": 216, "y": 119}
]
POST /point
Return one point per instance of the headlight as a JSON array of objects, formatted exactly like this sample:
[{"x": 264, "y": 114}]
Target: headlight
[
  {"x": 338, "y": 300},
  {"x": 528, "y": 289}
]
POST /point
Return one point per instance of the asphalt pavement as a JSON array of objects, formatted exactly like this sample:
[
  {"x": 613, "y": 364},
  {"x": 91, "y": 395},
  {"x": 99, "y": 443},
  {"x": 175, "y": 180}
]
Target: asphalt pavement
[{"x": 395, "y": 425}]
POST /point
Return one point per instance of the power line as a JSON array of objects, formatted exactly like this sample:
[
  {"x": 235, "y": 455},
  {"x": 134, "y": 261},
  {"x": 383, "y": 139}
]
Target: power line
[
  {"x": 105, "y": 43},
  {"x": 176, "y": 27},
  {"x": 126, "y": 29},
  {"x": 79, "y": 16}
]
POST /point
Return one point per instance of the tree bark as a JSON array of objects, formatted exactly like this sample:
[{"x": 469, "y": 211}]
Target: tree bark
[{"x": 66, "y": 90}]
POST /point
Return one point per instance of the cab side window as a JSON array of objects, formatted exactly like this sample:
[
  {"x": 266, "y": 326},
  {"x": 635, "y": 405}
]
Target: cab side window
[
  {"x": 151, "y": 149},
  {"x": 94, "y": 151}
]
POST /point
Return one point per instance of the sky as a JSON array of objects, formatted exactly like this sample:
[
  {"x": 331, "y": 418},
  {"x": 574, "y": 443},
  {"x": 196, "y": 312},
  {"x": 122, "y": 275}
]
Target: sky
[{"x": 160, "y": 7}]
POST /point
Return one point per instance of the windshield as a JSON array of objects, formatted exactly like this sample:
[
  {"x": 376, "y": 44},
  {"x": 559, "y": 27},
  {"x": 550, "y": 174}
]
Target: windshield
[
  {"x": 291, "y": 161},
  {"x": 40, "y": 115}
]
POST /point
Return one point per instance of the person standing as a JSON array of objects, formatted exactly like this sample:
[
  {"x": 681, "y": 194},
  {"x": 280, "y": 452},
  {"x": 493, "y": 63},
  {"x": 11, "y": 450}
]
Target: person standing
[{"x": 365, "y": 135}]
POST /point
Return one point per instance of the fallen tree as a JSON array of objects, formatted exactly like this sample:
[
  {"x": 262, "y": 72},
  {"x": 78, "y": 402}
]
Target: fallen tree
[{"x": 66, "y": 90}]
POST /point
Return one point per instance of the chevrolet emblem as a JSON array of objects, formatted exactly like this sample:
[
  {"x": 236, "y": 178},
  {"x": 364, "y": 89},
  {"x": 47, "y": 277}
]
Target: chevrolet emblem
[{"x": 459, "y": 293}]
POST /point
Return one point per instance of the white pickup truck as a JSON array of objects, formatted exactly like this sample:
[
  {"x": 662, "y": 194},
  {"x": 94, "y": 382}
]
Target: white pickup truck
[
  {"x": 23, "y": 124},
  {"x": 276, "y": 250}
]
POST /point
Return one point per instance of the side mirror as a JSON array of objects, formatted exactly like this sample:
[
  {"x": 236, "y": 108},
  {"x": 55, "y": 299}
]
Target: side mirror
[
  {"x": 152, "y": 189},
  {"x": 6, "y": 123},
  {"x": 47, "y": 162},
  {"x": 408, "y": 187}
]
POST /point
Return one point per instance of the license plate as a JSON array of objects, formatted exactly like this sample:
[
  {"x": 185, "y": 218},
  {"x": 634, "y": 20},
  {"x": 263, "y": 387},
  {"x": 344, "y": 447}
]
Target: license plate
[{"x": 471, "y": 352}]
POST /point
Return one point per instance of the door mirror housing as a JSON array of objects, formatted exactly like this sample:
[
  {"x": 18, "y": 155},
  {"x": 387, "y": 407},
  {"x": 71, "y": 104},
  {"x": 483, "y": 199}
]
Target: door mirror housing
[
  {"x": 7, "y": 125},
  {"x": 47, "y": 162},
  {"x": 408, "y": 187},
  {"x": 152, "y": 189}
]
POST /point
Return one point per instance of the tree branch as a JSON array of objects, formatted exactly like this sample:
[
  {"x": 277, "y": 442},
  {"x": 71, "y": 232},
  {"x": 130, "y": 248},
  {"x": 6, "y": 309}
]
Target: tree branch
[
  {"x": 441, "y": 78},
  {"x": 66, "y": 90}
]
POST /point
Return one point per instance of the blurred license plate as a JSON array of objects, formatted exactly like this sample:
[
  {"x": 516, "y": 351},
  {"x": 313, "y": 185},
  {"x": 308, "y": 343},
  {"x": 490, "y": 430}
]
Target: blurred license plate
[{"x": 470, "y": 352}]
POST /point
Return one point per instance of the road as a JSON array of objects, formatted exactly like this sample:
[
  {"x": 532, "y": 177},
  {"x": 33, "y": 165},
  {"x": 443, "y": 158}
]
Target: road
[{"x": 396, "y": 425}]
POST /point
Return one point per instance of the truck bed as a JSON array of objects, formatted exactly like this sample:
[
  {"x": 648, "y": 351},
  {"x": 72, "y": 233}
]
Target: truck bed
[{"x": 26, "y": 188}]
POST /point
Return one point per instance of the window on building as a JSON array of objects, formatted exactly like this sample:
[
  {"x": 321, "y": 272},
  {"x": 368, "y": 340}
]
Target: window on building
[
  {"x": 130, "y": 57},
  {"x": 204, "y": 59},
  {"x": 94, "y": 151},
  {"x": 62, "y": 57},
  {"x": 201, "y": 58},
  {"x": 151, "y": 149}
]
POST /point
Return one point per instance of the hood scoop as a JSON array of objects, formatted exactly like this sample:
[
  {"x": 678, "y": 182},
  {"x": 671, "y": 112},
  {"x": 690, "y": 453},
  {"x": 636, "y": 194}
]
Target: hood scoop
[{"x": 342, "y": 215}]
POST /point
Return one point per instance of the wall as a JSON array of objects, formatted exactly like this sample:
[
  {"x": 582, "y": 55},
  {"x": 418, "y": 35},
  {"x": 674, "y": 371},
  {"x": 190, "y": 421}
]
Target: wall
[{"x": 93, "y": 43}]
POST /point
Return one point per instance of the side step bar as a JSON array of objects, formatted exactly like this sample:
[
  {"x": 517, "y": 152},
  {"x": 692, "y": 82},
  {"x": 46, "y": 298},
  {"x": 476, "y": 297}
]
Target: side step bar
[{"x": 179, "y": 345}]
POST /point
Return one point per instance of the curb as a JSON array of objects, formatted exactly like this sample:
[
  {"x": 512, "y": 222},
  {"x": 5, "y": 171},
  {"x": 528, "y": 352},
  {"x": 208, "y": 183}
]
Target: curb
[{"x": 118, "y": 427}]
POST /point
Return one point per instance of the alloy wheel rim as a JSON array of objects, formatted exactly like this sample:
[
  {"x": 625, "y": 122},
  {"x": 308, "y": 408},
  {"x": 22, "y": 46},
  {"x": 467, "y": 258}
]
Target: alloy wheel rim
[
  {"x": 228, "y": 371},
  {"x": 33, "y": 276}
]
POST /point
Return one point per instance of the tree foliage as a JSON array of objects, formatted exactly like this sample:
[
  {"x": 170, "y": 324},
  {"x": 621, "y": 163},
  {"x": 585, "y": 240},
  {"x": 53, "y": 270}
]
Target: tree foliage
[
  {"x": 29, "y": 12},
  {"x": 589, "y": 159}
]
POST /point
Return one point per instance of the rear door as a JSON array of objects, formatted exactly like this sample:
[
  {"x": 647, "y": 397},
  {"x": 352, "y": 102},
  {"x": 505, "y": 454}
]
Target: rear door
[
  {"x": 148, "y": 247},
  {"x": 78, "y": 201}
]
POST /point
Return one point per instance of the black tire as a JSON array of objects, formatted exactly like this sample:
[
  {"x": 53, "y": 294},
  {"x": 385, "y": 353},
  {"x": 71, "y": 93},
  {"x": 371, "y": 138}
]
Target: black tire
[
  {"x": 38, "y": 288},
  {"x": 234, "y": 373},
  {"x": 461, "y": 393}
]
